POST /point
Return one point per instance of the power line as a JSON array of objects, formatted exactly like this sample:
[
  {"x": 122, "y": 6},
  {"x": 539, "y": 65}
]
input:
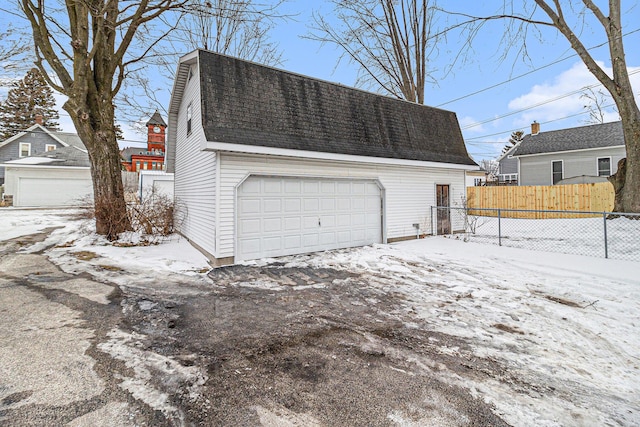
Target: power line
[
  {"x": 548, "y": 101},
  {"x": 520, "y": 128},
  {"x": 529, "y": 72}
]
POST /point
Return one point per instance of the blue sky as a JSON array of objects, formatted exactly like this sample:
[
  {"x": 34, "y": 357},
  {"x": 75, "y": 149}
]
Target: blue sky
[{"x": 487, "y": 118}]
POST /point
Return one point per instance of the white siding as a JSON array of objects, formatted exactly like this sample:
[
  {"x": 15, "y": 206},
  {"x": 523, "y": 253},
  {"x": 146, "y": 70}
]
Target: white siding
[
  {"x": 536, "y": 170},
  {"x": 195, "y": 174},
  {"x": 409, "y": 191}
]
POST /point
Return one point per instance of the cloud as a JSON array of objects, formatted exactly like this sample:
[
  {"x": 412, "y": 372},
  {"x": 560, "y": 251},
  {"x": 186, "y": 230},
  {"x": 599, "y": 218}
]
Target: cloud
[{"x": 552, "y": 100}]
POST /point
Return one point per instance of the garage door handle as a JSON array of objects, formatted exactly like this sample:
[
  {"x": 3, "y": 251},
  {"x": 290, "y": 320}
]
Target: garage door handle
[{"x": 319, "y": 222}]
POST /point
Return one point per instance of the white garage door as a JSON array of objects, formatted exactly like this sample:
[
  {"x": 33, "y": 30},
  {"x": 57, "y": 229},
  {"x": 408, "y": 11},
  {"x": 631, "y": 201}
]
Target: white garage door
[
  {"x": 283, "y": 216},
  {"x": 43, "y": 192}
]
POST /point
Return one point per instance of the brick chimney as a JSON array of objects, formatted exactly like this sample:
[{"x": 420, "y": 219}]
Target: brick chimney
[
  {"x": 39, "y": 119},
  {"x": 535, "y": 128}
]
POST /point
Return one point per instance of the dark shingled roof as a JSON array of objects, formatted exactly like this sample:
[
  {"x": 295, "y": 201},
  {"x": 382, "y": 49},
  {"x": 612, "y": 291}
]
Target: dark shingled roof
[
  {"x": 156, "y": 119},
  {"x": 250, "y": 104},
  {"x": 580, "y": 138}
]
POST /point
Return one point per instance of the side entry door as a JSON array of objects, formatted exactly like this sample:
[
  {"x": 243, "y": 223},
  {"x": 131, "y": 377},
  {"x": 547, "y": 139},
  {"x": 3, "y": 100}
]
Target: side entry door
[{"x": 444, "y": 213}]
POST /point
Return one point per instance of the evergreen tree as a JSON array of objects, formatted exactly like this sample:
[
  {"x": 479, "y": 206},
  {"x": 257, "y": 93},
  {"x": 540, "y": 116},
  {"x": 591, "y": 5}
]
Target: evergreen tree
[
  {"x": 29, "y": 97},
  {"x": 516, "y": 137}
]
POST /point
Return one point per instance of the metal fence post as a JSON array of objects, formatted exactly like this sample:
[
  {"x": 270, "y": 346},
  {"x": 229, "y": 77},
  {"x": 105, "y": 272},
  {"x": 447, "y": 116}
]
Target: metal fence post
[
  {"x": 606, "y": 243},
  {"x": 499, "y": 228},
  {"x": 433, "y": 230}
]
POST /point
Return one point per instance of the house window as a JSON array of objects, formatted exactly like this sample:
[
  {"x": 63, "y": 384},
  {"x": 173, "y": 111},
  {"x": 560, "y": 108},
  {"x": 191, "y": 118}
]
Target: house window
[
  {"x": 154, "y": 165},
  {"x": 49, "y": 147},
  {"x": 557, "y": 170},
  {"x": 137, "y": 166},
  {"x": 25, "y": 149},
  {"x": 604, "y": 166},
  {"x": 189, "y": 119}
]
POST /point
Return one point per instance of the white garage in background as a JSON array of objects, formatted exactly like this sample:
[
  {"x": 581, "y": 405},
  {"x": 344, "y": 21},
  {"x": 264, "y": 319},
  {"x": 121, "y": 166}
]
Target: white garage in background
[
  {"x": 270, "y": 163},
  {"x": 57, "y": 178}
]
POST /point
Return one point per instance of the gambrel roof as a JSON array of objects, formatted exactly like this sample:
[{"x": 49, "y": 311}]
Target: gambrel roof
[
  {"x": 253, "y": 105},
  {"x": 580, "y": 138}
]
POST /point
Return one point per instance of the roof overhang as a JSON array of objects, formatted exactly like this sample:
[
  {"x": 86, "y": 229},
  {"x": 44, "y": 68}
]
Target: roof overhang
[
  {"x": 317, "y": 155},
  {"x": 547, "y": 153}
]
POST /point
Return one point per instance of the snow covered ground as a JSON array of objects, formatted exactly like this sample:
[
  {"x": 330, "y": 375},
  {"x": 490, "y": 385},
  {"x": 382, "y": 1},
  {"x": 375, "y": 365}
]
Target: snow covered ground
[
  {"x": 581, "y": 236},
  {"x": 566, "y": 327}
]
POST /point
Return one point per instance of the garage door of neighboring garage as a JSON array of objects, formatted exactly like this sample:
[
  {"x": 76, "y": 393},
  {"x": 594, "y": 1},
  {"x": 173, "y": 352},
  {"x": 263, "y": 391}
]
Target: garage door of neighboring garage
[
  {"x": 283, "y": 216},
  {"x": 43, "y": 192}
]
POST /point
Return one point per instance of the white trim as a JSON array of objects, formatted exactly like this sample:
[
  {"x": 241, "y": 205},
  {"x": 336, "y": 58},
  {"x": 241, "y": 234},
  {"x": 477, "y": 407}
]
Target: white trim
[
  {"x": 46, "y": 147},
  {"x": 217, "y": 205},
  {"x": 610, "y": 165},
  {"x": 570, "y": 151},
  {"x": 28, "y": 144},
  {"x": 286, "y": 152},
  {"x": 561, "y": 162}
]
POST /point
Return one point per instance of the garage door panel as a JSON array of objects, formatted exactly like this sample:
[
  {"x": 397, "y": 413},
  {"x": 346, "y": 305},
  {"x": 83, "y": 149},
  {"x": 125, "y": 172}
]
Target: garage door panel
[
  {"x": 250, "y": 206},
  {"x": 283, "y": 216},
  {"x": 272, "y": 243},
  {"x": 292, "y": 242},
  {"x": 293, "y": 223},
  {"x": 292, "y": 205},
  {"x": 249, "y": 226},
  {"x": 273, "y": 187},
  {"x": 272, "y": 225}
]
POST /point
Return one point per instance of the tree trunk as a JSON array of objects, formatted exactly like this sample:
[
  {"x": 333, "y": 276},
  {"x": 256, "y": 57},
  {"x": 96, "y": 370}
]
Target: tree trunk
[
  {"x": 628, "y": 177},
  {"x": 98, "y": 135}
]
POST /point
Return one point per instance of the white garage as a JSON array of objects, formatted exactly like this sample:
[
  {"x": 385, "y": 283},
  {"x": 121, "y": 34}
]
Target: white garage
[
  {"x": 286, "y": 215},
  {"x": 58, "y": 178},
  {"x": 270, "y": 163},
  {"x": 55, "y": 191}
]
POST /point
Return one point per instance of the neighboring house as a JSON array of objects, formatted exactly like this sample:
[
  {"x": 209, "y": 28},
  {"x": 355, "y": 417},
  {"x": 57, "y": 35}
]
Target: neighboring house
[
  {"x": 271, "y": 163},
  {"x": 508, "y": 167},
  {"x": 151, "y": 158},
  {"x": 56, "y": 178},
  {"x": 34, "y": 140},
  {"x": 475, "y": 178},
  {"x": 584, "y": 154}
]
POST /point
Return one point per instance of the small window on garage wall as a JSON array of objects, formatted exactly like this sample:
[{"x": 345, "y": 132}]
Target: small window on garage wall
[
  {"x": 189, "y": 112},
  {"x": 25, "y": 149},
  {"x": 49, "y": 147},
  {"x": 604, "y": 166},
  {"x": 557, "y": 171}
]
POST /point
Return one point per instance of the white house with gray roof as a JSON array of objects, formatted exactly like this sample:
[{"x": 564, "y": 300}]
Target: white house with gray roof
[
  {"x": 271, "y": 163},
  {"x": 582, "y": 154},
  {"x": 56, "y": 173},
  {"x": 35, "y": 140}
]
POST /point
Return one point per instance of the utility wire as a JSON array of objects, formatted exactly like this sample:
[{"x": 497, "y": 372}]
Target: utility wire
[
  {"x": 529, "y": 72},
  {"x": 548, "y": 101},
  {"x": 516, "y": 129}
]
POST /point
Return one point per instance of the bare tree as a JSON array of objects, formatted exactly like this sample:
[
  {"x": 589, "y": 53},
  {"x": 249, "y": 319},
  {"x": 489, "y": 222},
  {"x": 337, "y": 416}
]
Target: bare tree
[
  {"x": 12, "y": 46},
  {"x": 596, "y": 104},
  {"x": 91, "y": 46},
  {"x": 238, "y": 28},
  {"x": 390, "y": 40},
  {"x": 569, "y": 19}
]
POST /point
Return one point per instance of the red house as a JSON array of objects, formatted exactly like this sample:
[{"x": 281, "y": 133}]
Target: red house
[{"x": 137, "y": 159}]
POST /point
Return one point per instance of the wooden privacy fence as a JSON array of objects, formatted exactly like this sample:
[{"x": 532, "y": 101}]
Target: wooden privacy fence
[{"x": 575, "y": 197}]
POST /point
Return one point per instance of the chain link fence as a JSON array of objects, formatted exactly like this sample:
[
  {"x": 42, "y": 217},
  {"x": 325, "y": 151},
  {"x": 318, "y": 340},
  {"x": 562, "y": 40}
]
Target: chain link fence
[{"x": 599, "y": 234}]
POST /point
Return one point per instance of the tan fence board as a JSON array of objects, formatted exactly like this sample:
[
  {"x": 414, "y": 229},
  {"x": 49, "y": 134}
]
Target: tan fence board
[{"x": 575, "y": 197}]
